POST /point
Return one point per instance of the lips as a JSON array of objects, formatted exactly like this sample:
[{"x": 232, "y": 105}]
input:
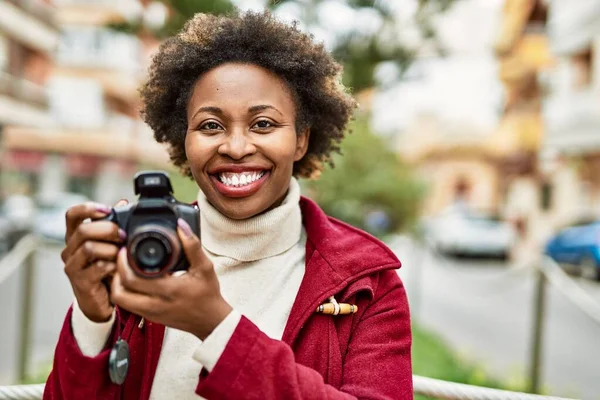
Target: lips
[{"x": 238, "y": 181}]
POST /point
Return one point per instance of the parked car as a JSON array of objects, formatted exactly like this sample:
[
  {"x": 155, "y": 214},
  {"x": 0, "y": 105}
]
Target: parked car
[
  {"x": 50, "y": 222},
  {"x": 459, "y": 231},
  {"x": 578, "y": 247}
]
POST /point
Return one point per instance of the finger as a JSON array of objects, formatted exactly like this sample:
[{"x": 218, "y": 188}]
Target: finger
[
  {"x": 84, "y": 280},
  {"x": 157, "y": 287},
  {"x": 137, "y": 303},
  {"x": 98, "y": 271},
  {"x": 192, "y": 247},
  {"x": 77, "y": 214},
  {"x": 121, "y": 203},
  {"x": 88, "y": 252},
  {"x": 105, "y": 231}
]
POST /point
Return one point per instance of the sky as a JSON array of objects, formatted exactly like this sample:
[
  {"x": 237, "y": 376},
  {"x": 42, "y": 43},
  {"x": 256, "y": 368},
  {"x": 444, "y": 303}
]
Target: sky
[{"x": 461, "y": 88}]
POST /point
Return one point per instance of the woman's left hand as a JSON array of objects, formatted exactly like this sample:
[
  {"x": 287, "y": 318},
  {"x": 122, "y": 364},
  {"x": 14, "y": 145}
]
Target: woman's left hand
[{"x": 191, "y": 302}]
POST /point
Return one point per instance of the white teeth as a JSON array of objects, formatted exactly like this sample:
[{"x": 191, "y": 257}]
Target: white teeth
[{"x": 241, "y": 179}]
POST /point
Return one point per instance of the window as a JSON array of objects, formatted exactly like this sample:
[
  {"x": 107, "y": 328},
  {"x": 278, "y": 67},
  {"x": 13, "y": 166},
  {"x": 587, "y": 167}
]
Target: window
[
  {"x": 77, "y": 103},
  {"x": 582, "y": 63},
  {"x": 99, "y": 47}
]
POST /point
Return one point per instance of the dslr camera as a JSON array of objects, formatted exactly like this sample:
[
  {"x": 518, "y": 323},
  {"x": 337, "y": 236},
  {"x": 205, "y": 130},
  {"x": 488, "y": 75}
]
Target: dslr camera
[{"x": 153, "y": 246}]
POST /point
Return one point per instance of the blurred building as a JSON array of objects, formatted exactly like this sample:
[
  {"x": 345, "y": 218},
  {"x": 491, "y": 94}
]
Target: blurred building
[
  {"x": 524, "y": 57},
  {"x": 28, "y": 38},
  {"x": 571, "y": 110},
  {"x": 491, "y": 167},
  {"x": 95, "y": 140}
]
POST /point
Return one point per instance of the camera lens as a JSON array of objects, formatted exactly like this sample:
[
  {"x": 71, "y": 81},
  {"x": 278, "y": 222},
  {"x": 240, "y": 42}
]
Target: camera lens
[
  {"x": 151, "y": 253},
  {"x": 153, "y": 250}
]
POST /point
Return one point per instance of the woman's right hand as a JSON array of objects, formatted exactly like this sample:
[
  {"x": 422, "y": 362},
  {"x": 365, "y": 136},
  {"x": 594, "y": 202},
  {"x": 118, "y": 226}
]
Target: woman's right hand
[{"x": 90, "y": 257}]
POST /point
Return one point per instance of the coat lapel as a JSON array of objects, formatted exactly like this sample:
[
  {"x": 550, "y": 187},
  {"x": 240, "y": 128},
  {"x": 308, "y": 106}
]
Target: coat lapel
[{"x": 339, "y": 258}]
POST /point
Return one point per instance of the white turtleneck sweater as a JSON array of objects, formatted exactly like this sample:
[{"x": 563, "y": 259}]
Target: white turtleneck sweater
[{"x": 260, "y": 264}]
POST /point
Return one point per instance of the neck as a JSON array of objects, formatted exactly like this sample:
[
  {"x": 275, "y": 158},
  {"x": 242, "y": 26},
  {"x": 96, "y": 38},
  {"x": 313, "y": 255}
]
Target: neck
[{"x": 264, "y": 235}]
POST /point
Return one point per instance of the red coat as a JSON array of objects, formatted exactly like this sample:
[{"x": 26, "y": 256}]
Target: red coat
[{"x": 365, "y": 355}]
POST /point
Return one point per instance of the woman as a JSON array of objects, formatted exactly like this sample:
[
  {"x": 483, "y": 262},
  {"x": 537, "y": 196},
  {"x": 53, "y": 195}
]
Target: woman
[{"x": 246, "y": 104}]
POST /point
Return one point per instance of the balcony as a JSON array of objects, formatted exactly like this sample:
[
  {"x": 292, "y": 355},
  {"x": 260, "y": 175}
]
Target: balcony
[
  {"x": 110, "y": 58},
  {"x": 38, "y": 9},
  {"x": 31, "y": 23},
  {"x": 23, "y": 90},
  {"x": 572, "y": 121},
  {"x": 103, "y": 143},
  {"x": 22, "y": 102},
  {"x": 99, "y": 48},
  {"x": 97, "y": 12}
]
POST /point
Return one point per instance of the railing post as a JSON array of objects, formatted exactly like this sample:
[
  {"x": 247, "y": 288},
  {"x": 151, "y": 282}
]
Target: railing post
[
  {"x": 416, "y": 295},
  {"x": 537, "y": 333},
  {"x": 24, "y": 336}
]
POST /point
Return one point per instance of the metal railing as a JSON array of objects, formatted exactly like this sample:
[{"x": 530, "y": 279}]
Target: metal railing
[
  {"x": 430, "y": 387},
  {"x": 548, "y": 271}
]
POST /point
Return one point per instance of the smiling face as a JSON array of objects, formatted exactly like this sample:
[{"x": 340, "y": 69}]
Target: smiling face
[{"x": 241, "y": 142}]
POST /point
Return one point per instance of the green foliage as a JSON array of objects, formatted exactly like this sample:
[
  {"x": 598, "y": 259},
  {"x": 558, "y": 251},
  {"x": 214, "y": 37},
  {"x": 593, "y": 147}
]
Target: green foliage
[
  {"x": 361, "y": 54},
  {"x": 185, "y": 9},
  {"x": 180, "y": 12},
  {"x": 368, "y": 177},
  {"x": 184, "y": 188},
  {"x": 434, "y": 359}
]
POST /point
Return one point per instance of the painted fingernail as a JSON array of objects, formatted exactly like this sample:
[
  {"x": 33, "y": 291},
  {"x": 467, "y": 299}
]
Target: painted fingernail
[
  {"x": 122, "y": 234},
  {"x": 185, "y": 227},
  {"x": 100, "y": 263},
  {"x": 103, "y": 209}
]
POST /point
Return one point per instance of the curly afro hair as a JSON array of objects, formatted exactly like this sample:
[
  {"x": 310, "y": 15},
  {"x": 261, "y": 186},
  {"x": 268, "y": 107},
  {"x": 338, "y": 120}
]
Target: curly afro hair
[{"x": 207, "y": 41}]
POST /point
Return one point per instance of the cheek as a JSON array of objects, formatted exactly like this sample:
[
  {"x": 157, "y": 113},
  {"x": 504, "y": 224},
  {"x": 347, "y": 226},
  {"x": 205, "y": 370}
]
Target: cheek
[
  {"x": 197, "y": 152},
  {"x": 282, "y": 149}
]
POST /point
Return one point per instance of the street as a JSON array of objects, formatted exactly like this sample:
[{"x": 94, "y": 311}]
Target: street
[{"x": 482, "y": 308}]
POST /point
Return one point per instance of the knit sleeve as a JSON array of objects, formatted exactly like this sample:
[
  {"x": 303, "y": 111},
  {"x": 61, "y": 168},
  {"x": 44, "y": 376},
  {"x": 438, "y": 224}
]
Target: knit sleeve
[
  {"x": 210, "y": 350},
  {"x": 89, "y": 335}
]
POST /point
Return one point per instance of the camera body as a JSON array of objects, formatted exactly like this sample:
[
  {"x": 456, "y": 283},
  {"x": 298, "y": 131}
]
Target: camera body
[{"x": 153, "y": 246}]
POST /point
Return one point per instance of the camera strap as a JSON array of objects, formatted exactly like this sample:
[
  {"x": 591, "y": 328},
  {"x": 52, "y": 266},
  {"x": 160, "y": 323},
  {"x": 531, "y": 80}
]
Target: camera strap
[{"x": 118, "y": 360}]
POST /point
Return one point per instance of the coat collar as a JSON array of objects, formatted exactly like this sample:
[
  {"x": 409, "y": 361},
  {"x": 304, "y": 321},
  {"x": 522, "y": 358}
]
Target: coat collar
[{"x": 337, "y": 257}]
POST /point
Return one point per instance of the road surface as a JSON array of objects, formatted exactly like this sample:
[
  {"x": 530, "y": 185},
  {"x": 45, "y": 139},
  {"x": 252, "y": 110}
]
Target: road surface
[{"x": 484, "y": 310}]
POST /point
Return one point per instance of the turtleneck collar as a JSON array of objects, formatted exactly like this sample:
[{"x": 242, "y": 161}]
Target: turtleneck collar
[{"x": 255, "y": 238}]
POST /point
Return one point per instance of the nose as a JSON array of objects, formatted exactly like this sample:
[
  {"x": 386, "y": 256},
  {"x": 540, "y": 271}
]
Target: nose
[{"x": 237, "y": 145}]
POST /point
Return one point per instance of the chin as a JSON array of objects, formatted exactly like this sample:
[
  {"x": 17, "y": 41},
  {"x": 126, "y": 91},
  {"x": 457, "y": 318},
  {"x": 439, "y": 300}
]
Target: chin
[{"x": 240, "y": 209}]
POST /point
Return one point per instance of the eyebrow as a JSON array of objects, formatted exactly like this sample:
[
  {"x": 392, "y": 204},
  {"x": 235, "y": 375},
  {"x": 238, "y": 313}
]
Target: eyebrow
[
  {"x": 262, "y": 107},
  {"x": 209, "y": 109},
  {"x": 251, "y": 110}
]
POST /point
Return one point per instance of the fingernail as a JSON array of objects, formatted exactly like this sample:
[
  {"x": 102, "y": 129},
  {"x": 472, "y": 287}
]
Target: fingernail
[
  {"x": 122, "y": 234},
  {"x": 185, "y": 227},
  {"x": 121, "y": 203},
  {"x": 100, "y": 263},
  {"x": 103, "y": 209}
]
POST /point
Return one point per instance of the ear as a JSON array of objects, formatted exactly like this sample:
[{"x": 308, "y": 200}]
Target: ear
[{"x": 301, "y": 144}]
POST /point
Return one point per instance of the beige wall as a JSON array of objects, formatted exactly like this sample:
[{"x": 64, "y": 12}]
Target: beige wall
[{"x": 444, "y": 175}]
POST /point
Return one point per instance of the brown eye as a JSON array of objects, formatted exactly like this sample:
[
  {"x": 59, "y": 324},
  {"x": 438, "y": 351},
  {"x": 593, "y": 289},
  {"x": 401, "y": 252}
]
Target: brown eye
[
  {"x": 210, "y": 126},
  {"x": 263, "y": 124}
]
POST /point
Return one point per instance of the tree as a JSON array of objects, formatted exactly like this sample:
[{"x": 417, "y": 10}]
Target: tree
[
  {"x": 360, "y": 53},
  {"x": 368, "y": 177},
  {"x": 179, "y": 11}
]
